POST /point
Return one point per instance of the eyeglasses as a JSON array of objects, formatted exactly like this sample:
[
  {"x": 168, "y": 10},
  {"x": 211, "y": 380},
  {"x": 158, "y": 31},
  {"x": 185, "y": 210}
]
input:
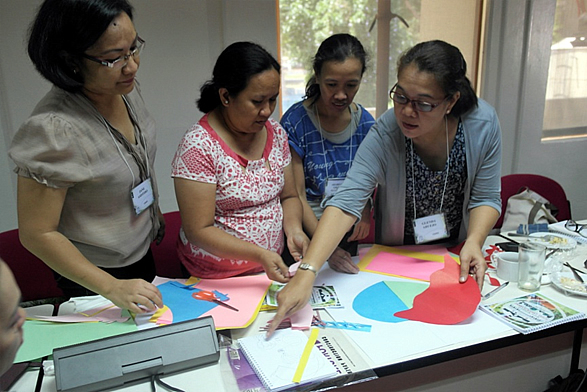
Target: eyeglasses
[
  {"x": 576, "y": 227},
  {"x": 419, "y": 106},
  {"x": 121, "y": 61}
]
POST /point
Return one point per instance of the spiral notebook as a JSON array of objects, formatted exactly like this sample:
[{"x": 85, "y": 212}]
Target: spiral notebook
[
  {"x": 276, "y": 360},
  {"x": 532, "y": 312}
]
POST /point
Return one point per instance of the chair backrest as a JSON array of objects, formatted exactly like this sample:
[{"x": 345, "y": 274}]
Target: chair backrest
[
  {"x": 167, "y": 262},
  {"x": 544, "y": 186},
  {"x": 34, "y": 278}
]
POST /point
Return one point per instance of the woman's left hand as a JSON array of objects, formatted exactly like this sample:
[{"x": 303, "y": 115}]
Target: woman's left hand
[
  {"x": 161, "y": 231},
  {"x": 360, "y": 231},
  {"x": 297, "y": 244},
  {"x": 472, "y": 263}
]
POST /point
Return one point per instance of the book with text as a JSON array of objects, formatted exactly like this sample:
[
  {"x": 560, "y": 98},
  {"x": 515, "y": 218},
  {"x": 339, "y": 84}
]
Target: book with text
[{"x": 532, "y": 312}]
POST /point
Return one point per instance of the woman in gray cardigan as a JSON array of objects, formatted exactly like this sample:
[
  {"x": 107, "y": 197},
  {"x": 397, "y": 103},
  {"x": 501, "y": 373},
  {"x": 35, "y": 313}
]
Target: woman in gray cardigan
[{"x": 435, "y": 159}]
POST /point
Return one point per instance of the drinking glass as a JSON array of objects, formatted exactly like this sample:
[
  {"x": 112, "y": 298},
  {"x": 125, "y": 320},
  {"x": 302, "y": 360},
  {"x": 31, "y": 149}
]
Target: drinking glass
[{"x": 530, "y": 265}]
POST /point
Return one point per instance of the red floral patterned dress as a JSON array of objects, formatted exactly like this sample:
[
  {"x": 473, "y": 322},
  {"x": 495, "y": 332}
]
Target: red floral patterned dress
[{"x": 247, "y": 195}]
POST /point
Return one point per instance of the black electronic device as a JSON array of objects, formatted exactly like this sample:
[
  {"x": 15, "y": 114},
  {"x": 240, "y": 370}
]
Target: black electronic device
[
  {"x": 508, "y": 246},
  {"x": 115, "y": 361}
]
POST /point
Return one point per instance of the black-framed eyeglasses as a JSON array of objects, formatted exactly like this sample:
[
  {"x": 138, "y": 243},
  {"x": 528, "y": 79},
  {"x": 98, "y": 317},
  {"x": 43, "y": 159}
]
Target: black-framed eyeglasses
[
  {"x": 417, "y": 105},
  {"x": 121, "y": 61},
  {"x": 576, "y": 228}
]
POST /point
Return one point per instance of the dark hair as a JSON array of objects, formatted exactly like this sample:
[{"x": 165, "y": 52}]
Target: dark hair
[
  {"x": 338, "y": 48},
  {"x": 449, "y": 68},
  {"x": 63, "y": 30},
  {"x": 233, "y": 69}
]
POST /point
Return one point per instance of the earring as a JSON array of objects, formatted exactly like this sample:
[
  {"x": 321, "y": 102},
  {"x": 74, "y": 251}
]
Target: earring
[{"x": 226, "y": 102}]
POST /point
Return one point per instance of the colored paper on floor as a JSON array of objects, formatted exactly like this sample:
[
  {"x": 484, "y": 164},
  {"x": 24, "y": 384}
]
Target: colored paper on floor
[
  {"x": 410, "y": 261},
  {"x": 446, "y": 301}
]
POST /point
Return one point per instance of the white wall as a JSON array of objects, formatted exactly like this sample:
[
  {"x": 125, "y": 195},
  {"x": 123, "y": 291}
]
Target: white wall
[{"x": 184, "y": 38}]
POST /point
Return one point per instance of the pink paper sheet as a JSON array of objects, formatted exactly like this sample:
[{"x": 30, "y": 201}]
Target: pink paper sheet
[
  {"x": 246, "y": 293},
  {"x": 446, "y": 301},
  {"x": 412, "y": 261}
]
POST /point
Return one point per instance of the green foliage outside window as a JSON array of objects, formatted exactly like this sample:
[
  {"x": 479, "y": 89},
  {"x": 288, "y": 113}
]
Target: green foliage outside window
[{"x": 306, "y": 23}]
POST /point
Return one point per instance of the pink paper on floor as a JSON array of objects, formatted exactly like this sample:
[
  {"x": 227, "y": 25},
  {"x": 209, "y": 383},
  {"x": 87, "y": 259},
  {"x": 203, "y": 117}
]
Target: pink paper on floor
[{"x": 446, "y": 301}]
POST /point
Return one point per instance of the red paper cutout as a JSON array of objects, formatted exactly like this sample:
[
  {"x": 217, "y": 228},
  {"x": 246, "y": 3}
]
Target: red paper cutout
[
  {"x": 492, "y": 280},
  {"x": 446, "y": 301}
]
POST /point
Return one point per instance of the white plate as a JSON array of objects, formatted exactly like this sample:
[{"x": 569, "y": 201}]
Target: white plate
[
  {"x": 566, "y": 282},
  {"x": 553, "y": 241}
]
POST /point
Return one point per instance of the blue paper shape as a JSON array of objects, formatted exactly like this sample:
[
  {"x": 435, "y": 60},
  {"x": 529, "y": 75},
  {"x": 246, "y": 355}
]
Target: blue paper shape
[
  {"x": 379, "y": 303},
  {"x": 178, "y": 298}
]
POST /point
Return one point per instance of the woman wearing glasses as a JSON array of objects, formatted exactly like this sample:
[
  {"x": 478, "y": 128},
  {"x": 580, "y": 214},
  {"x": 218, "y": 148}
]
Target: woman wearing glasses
[
  {"x": 436, "y": 159},
  {"x": 87, "y": 196}
]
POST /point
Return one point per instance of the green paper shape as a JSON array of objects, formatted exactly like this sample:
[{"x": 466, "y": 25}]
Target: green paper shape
[
  {"x": 406, "y": 291},
  {"x": 41, "y": 337}
]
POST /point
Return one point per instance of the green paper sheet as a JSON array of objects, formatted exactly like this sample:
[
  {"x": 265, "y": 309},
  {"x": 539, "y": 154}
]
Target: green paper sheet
[{"x": 41, "y": 337}]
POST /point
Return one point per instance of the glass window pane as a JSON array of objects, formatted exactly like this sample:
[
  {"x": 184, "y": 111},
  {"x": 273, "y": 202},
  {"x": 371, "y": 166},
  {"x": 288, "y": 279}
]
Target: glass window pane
[
  {"x": 304, "y": 24},
  {"x": 566, "y": 91}
]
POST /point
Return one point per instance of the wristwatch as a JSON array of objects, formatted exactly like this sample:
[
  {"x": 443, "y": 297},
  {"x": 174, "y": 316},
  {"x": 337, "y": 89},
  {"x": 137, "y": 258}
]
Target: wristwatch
[{"x": 308, "y": 267}]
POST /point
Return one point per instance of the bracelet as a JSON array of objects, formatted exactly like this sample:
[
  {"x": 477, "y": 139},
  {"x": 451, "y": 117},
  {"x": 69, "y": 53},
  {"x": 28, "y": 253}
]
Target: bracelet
[{"x": 308, "y": 267}]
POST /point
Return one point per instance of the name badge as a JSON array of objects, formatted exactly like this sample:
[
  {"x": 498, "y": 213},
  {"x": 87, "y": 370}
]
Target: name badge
[
  {"x": 332, "y": 185},
  {"x": 142, "y": 196},
  {"x": 430, "y": 228}
]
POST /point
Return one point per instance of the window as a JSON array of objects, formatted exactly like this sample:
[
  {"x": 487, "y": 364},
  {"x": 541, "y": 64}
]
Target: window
[
  {"x": 304, "y": 24},
  {"x": 566, "y": 91}
]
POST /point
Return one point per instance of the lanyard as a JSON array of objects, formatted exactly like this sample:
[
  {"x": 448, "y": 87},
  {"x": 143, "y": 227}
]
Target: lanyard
[
  {"x": 322, "y": 139},
  {"x": 447, "y": 169},
  {"x": 142, "y": 163}
]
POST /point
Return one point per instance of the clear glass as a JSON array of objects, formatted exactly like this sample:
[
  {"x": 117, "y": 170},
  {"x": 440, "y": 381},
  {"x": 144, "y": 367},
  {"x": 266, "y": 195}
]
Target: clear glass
[
  {"x": 419, "y": 106},
  {"x": 530, "y": 265},
  {"x": 566, "y": 90},
  {"x": 122, "y": 61}
]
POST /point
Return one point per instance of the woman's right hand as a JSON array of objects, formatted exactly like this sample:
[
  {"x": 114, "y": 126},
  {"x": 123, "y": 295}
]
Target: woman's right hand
[
  {"x": 294, "y": 296},
  {"x": 274, "y": 267},
  {"x": 136, "y": 295}
]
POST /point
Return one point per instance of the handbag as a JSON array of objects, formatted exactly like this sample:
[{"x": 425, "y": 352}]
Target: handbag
[{"x": 526, "y": 208}]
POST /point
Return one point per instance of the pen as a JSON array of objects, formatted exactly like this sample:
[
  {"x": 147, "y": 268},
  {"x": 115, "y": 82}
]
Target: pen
[{"x": 489, "y": 294}]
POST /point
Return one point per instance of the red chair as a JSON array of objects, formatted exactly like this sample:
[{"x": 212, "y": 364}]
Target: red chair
[
  {"x": 34, "y": 278},
  {"x": 544, "y": 186},
  {"x": 370, "y": 239},
  {"x": 167, "y": 262}
]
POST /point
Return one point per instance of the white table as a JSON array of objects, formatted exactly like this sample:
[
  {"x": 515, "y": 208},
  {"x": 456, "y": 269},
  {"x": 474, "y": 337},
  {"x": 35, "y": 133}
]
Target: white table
[{"x": 217, "y": 376}]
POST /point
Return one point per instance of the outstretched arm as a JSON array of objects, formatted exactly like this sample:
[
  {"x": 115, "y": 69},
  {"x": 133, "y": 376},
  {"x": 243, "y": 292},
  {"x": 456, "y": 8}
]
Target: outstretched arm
[{"x": 332, "y": 227}]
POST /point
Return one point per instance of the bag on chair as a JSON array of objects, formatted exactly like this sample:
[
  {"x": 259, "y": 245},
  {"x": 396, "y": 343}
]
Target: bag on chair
[{"x": 526, "y": 208}]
